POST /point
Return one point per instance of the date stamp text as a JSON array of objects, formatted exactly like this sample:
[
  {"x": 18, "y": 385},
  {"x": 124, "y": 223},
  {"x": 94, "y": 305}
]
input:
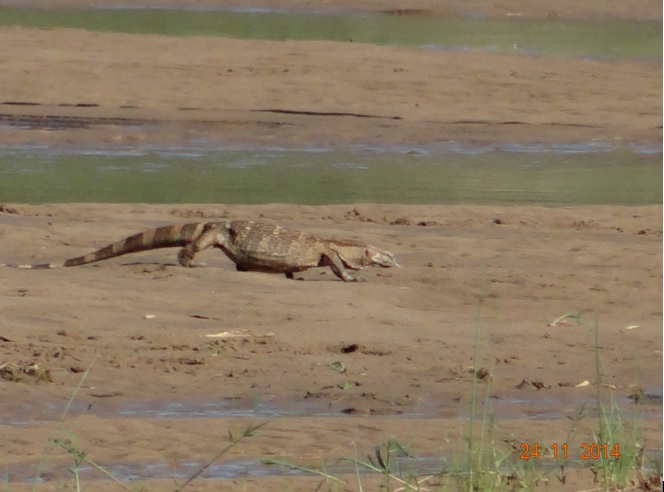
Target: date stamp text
[{"x": 586, "y": 451}]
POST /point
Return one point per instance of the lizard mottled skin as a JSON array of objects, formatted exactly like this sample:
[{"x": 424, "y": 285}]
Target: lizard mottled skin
[{"x": 253, "y": 247}]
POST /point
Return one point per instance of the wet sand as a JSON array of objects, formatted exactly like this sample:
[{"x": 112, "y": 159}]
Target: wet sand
[{"x": 158, "y": 90}]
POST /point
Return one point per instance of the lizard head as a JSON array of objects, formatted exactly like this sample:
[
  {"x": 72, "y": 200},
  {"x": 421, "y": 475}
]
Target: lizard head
[{"x": 380, "y": 257}]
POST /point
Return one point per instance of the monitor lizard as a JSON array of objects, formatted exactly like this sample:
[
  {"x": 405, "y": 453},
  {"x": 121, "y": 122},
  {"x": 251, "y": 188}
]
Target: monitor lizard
[{"x": 253, "y": 246}]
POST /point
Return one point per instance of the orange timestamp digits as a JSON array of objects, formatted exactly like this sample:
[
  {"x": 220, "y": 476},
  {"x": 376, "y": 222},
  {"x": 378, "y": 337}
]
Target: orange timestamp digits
[
  {"x": 594, "y": 451},
  {"x": 597, "y": 451}
]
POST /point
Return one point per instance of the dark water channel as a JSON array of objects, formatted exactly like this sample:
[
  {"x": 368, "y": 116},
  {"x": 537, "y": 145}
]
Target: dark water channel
[{"x": 505, "y": 408}]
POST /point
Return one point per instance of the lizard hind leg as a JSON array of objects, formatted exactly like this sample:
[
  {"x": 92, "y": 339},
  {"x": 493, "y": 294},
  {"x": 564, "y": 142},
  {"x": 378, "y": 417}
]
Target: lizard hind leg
[{"x": 208, "y": 239}]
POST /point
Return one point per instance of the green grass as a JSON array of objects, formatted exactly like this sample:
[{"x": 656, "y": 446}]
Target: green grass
[
  {"x": 488, "y": 466},
  {"x": 616, "y": 434}
]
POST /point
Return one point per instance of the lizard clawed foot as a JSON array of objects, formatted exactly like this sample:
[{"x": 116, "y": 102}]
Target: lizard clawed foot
[
  {"x": 186, "y": 259},
  {"x": 195, "y": 264}
]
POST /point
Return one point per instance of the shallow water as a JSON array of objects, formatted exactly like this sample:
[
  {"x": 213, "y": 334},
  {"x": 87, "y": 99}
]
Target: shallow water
[
  {"x": 546, "y": 408},
  {"x": 516, "y": 175},
  {"x": 603, "y": 39},
  {"x": 507, "y": 408},
  {"x": 253, "y": 468},
  {"x": 230, "y": 469}
]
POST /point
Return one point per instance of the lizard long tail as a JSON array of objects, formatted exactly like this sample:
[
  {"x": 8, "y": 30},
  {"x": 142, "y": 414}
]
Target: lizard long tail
[{"x": 162, "y": 237}]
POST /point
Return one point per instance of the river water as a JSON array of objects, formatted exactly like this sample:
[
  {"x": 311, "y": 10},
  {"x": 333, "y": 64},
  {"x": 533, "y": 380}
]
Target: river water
[{"x": 550, "y": 176}]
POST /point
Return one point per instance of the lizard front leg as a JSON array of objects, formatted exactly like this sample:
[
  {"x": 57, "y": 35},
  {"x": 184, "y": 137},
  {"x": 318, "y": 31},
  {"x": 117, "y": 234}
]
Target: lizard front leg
[
  {"x": 211, "y": 237},
  {"x": 337, "y": 265}
]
